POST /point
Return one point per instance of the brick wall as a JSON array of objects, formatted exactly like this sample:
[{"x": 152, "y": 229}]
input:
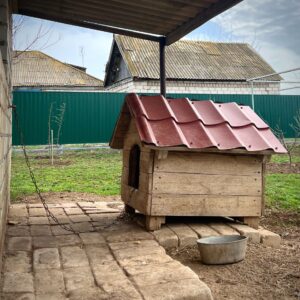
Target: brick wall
[
  {"x": 194, "y": 87},
  {"x": 5, "y": 117}
]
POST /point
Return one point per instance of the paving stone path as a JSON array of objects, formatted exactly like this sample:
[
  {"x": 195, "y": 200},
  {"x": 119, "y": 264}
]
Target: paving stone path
[{"x": 108, "y": 259}]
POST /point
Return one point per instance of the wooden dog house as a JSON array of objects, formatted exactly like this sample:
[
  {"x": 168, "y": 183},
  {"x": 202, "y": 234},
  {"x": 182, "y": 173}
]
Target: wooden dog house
[{"x": 192, "y": 158}]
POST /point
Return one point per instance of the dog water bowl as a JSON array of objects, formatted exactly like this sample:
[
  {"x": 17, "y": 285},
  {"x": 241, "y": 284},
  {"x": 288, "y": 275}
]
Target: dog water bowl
[{"x": 226, "y": 249}]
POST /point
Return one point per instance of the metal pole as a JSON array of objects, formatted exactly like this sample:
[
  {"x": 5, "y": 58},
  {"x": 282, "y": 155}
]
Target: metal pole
[
  {"x": 252, "y": 96},
  {"x": 52, "y": 147},
  {"x": 162, "y": 66}
]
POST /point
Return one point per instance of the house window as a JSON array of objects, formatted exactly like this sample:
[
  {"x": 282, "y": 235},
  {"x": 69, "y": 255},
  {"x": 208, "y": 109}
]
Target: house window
[{"x": 134, "y": 167}]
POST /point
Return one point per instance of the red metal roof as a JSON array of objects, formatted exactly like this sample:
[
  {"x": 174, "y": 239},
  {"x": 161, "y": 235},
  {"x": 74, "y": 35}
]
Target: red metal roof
[{"x": 200, "y": 124}]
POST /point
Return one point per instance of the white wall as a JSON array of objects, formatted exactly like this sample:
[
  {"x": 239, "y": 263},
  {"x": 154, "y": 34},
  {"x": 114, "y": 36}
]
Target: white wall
[{"x": 196, "y": 87}]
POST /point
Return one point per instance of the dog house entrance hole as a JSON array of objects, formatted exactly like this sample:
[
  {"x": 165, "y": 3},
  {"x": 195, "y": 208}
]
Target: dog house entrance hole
[{"x": 134, "y": 167}]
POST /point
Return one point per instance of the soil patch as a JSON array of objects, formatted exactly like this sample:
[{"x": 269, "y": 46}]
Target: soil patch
[
  {"x": 283, "y": 168},
  {"x": 266, "y": 273},
  {"x": 62, "y": 197}
]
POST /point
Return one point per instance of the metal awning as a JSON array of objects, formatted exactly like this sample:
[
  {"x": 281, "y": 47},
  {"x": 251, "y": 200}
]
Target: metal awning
[{"x": 164, "y": 21}]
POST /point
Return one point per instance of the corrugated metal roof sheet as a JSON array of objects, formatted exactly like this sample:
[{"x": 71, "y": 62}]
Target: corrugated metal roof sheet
[
  {"x": 194, "y": 60},
  {"x": 197, "y": 124},
  {"x": 36, "y": 69}
]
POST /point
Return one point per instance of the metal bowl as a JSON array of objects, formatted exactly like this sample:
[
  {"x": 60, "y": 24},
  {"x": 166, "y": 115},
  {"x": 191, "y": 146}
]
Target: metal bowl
[{"x": 219, "y": 250}]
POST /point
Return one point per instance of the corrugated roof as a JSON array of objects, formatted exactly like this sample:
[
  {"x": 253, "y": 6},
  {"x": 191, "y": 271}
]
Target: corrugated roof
[
  {"x": 196, "y": 125},
  {"x": 36, "y": 69},
  {"x": 193, "y": 60},
  {"x": 171, "y": 19}
]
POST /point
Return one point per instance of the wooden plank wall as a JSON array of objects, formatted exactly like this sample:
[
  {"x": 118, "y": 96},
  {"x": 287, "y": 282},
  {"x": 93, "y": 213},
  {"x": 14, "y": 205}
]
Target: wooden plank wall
[
  {"x": 5, "y": 118},
  {"x": 139, "y": 199},
  {"x": 207, "y": 184}
]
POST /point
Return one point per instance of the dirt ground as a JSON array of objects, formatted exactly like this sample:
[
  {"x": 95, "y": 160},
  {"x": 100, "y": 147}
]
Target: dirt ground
[
  {"x": 266, "y": 273},
  {"x": 283, "y": 168}
]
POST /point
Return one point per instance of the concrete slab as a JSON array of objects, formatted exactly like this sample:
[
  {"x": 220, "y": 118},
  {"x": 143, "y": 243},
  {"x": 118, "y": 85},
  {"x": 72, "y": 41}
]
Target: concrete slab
[
  {"x": 19, "y": 244},
  {"x": 73, "y": 256},
  {"x": 19, "y": 296},
  {"x": 269, "y": 238},
  {"x": 40, "y": 230},
  {"x": 223, "y": 229},
  {"x": 17, "y": 230},
  {"x": 251, "y": 233},
  {"x": 203, "y": 230},
  {"x": 121, "y": 261},
  {"x": 17, "y": 262},
  {"x": 18, "y": 283},
  {"x": 78, "y": 278},
  {"x": 91, "y": 238},
  {"x": 192, "y": 289},
  {"x": 186, "y": 236},
  {"x": 166, "y": 238},
  {"x": 44, "y": 242},
  {"x": 49, "y": 281},
  {"x": 88, "y": 294},
  {"x": 46, "y": 258}
]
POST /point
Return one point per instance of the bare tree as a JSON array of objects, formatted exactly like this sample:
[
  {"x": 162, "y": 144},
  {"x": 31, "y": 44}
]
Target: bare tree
[
  {"x": 290, "y": 146},
  {"x": 40, "y": 38}
]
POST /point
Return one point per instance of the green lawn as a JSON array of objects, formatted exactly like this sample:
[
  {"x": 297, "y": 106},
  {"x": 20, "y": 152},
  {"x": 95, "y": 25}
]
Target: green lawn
[
  {"x": 99, "y": 172},
  {"x": 283, "y": 191},
  {"x": 95, "y": 172},
  {"x": 283, "y": 158}
]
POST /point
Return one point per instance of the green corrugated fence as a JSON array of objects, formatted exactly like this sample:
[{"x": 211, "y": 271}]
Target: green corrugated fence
[{"x": 90, "y": 116}]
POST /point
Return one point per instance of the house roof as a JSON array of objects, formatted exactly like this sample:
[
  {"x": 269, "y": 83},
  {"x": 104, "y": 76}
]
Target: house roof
[
  {"x": 193, "y": 60},
  {"x": 37, "y": 69},
  {"x": 170, "y": 19},
  {"x": 195, "y": 125}
]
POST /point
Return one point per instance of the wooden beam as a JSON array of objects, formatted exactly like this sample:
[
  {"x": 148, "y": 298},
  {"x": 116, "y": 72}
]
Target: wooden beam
[
  {"x": 90, "y": 25},
  {"x": 199, "y": 19}
]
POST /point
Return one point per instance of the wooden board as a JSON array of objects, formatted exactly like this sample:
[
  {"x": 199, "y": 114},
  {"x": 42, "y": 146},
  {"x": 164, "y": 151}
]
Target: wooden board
[
  {"x": 205, "y": 205},
  {"x": 137, "y": 199},
  {"x": 206, "y": 163},
  {"x": 145, "y": 180},
  {"x": 202, "y": 184},
  {"x": 146, "y": 160}
]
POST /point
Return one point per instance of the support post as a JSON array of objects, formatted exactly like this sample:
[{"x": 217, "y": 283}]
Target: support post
[
  {"x": 252, "y": 96},
  {"x": 162, "y": 66}
]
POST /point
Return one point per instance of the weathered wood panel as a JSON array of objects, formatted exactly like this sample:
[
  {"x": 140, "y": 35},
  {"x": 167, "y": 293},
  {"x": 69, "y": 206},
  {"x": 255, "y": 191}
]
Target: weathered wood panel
[
  {"x": 206, "y": 163},
  {"x": 137, "y": 199},
  {"x": 145, "y": 180},
  {"x": 205, "y": 205},
  {"x": 5, "y": 117},
  {"x": 140, "y": 198},
  {"x": 202, "y": 184},
  {"x": 146, "y": 160}
]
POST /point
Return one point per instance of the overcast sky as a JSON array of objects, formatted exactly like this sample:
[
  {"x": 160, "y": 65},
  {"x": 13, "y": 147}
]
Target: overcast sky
[{"x": 272, "y": 27}]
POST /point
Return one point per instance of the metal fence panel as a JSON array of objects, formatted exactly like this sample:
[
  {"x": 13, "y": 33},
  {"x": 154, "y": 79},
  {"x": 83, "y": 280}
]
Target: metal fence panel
[{"x": 90, "y": 117}]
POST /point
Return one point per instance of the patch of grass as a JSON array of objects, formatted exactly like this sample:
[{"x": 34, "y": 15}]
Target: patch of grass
[
  {"x": 97, "y": 172},
  {"x": 283, "y": 191},
  {"x": 283, "y": 158}
]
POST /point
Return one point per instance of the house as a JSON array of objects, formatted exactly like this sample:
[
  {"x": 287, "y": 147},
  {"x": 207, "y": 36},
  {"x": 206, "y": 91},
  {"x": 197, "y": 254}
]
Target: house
[
  {"x": 35, "y": 70},
  {"x": 191, "y": 67},
  {"x": 192, "y": 158}
]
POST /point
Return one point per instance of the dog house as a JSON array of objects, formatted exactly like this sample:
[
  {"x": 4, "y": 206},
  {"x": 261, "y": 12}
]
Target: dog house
[{"x": 192, "y": 158}]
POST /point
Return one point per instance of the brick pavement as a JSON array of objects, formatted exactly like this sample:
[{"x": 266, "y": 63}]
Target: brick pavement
[{"x": 121, "y": 261}]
